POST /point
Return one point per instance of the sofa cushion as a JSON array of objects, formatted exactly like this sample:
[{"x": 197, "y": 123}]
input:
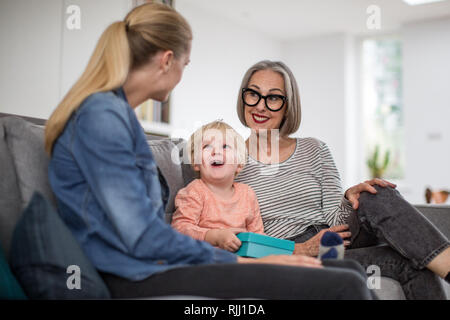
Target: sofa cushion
[
  {"x": 46, "y": 258},
  {"x": 9, "y": 287},
  {"x": 10, "y": 199},
  {"x": 188, "y": 173},
  {"x": 439, "y": 215},
  {"x": 26, "y": 144},
  {"x": 162, "y": 151},
  {"x": 390, "y": 289}
]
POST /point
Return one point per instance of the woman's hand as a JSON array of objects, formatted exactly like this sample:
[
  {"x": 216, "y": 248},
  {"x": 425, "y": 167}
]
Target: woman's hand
[
  {"x": 311, "y": 246},
  {"x": 354, "y": 192},
  {"x": 286, "y": 260},
  {"x": 224, "y": 238}
]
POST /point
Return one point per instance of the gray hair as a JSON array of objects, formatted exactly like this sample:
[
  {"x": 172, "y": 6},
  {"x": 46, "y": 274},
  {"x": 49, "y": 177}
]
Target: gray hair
[{"x": 293, "y": 115}]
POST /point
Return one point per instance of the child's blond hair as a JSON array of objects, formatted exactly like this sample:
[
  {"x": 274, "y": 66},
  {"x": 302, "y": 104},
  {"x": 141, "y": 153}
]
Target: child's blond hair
[{"x": 194, "y": 143}]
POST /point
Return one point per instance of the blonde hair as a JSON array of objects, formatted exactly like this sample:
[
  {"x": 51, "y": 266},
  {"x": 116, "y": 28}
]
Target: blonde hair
[
  {"x": 293, "y": 115},
  {"x": 124, "y": 45},
  {"x": 194, "y": 143}
]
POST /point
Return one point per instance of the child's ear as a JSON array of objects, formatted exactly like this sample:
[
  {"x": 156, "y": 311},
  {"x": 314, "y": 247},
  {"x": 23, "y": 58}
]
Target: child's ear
[
  {"x": 196, "y": 167},
  {"x": 239, "y": 169}
]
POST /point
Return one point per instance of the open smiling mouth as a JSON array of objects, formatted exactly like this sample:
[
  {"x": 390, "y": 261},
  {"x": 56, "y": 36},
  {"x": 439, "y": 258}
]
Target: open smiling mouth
[
  {"x": 217, "y": 163},
  {"x": 259, "y": 119}
]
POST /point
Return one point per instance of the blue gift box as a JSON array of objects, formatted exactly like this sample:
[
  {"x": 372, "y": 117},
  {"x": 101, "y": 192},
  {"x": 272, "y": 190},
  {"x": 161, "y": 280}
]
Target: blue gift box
[{"x": 256, "y": 245}]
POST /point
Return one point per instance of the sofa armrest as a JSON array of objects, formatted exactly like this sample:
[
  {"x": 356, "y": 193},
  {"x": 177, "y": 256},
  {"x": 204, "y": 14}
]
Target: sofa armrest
[{"x": 439, "y": 215}]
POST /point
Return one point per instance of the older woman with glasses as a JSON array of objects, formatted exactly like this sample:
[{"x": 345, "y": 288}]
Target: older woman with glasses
[{"x": 300, "y": 195}]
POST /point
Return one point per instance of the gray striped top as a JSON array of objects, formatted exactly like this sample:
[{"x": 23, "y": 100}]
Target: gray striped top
[{"x": 301, "y": 191}]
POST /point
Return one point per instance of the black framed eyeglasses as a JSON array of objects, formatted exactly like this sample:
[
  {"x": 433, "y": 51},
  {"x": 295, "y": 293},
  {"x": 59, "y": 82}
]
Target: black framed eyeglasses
[{"x": 273, "y": 102}]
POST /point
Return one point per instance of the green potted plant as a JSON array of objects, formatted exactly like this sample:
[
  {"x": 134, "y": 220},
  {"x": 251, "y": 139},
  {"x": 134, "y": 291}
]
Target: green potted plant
[{"x": 377, "y": 169}]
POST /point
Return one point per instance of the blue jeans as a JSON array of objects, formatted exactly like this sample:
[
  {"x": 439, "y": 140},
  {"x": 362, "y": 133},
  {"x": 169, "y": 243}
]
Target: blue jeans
[
  {"x": 339, "y": 280},
  {"x": 390, "y": 233}
]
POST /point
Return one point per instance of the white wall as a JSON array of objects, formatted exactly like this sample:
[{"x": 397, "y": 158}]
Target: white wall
[
  {"x": 426, "y": 79},
  {"x": 324, "y": 75},
  {"x": 30, "y": 34},
  {"x": 221, "y": 53},
  {"x": 78, "y": 45},
  {"x": 40, "y": 58}
]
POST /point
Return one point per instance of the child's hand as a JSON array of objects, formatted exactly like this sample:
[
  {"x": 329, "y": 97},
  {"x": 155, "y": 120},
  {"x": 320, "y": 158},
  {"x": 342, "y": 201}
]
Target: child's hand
[{"x": 224, "y": 238}]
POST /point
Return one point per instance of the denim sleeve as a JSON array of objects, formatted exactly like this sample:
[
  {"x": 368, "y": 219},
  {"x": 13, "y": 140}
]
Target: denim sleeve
[{"x": 103, "y": 145}]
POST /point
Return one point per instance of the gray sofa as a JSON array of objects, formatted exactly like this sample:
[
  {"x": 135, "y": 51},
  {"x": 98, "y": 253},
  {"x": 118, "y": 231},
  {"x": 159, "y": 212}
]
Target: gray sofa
[{"x": 23, "y": 170}]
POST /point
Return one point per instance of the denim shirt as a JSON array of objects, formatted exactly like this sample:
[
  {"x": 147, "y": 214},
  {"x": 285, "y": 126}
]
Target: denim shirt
[{"x": 109, "y": 194}]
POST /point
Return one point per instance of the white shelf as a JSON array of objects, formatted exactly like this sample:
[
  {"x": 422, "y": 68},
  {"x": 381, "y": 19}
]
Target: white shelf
[{"x": 156, "y": 127}]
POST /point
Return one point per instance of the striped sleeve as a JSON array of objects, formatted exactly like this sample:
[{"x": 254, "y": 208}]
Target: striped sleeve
[
  {"x": 336, "y": 208},
  {"x": 301, "y": 191}
]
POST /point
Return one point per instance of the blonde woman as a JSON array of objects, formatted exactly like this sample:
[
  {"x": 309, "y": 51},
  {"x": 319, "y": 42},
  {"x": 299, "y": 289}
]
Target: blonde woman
[
  {"x": 300, "y": 194},
  {"x": 107, "y": 185}
]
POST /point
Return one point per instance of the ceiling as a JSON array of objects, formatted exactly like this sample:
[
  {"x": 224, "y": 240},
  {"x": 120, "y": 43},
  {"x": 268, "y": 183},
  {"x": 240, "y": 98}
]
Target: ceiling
[{"x": 290, "y": 19}]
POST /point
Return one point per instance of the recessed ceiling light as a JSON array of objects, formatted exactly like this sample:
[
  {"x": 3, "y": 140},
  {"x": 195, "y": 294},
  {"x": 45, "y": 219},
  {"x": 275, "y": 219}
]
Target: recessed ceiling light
[{"x": 417, "y": 2}]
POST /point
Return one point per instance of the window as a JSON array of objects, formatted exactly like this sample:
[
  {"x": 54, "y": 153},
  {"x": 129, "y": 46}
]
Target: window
[{"x": 383, "y": 129}]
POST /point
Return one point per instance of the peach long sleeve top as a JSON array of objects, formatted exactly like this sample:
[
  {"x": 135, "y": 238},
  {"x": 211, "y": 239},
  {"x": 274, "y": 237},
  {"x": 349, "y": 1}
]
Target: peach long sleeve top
[{"x": 199, "y": 210}]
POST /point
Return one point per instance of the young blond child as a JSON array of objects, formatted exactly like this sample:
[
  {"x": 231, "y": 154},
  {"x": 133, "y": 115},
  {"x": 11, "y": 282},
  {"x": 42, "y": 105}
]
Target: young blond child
[{"x": 214, "y": 208}]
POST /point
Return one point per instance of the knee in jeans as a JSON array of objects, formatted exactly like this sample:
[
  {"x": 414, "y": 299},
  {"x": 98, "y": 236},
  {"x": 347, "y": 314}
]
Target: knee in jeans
[{"x": 385, "y": 196}]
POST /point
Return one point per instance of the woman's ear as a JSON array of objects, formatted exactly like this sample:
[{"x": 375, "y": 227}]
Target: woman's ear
[{"x": 166, "y": 60}]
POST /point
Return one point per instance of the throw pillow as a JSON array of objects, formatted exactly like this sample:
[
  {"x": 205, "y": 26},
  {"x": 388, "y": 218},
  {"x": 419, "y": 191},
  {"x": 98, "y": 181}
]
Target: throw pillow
[
  {"x": 26, "y": 143},
  {"x": 162, "y": 153},
  {"x": 48, "y": 261},
  {"x": 10, "y": 199},
  {"x": 9, "y": 287}
]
